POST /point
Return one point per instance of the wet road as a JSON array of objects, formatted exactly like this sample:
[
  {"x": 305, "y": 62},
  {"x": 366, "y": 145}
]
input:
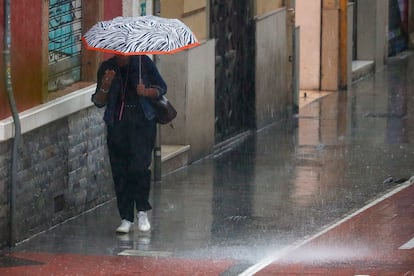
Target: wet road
[{"x": 269, "y": 191}]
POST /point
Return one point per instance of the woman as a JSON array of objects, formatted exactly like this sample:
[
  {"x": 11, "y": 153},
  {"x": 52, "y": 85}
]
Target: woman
[{"x": 131, "y": 130}]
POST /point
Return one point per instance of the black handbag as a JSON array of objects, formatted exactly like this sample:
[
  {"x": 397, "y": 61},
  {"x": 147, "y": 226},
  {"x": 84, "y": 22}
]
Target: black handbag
[{"x": 164, "y": 111}]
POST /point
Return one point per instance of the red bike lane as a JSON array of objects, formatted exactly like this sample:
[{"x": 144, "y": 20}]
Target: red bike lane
[
  {"x": 68, "y": 264},
  {"x": 378, "y": 240}
]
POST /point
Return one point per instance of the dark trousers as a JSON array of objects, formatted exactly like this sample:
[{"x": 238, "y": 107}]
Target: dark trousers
[{"x": 130, "y": 145}]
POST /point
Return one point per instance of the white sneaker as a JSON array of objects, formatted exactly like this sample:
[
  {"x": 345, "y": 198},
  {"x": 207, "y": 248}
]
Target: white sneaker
[
  {"x": 143, "y": 223},
  {"x": 125, "y": 226}
]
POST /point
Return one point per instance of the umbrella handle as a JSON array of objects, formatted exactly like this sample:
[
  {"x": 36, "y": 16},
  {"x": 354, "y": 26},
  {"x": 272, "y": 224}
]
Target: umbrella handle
[{"x": 140, "y": 67}]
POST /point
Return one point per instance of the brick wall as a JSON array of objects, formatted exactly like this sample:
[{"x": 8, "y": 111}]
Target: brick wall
[{"x": 63, "y": 170}]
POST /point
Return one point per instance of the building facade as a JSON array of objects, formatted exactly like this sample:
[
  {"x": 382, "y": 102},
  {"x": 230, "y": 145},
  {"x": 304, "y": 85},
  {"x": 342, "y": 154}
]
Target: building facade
[
  {"x": 244, "y": 76},
  {"x": 337, "y": 37},
  {"x": 62, "y": 165}
]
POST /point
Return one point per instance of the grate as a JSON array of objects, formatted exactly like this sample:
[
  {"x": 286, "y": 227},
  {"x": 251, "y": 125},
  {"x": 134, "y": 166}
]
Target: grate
[{"x": 65, "y": 30}]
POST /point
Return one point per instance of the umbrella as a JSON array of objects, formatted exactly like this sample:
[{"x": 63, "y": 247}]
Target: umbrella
[{"x": 140, "y": 36}]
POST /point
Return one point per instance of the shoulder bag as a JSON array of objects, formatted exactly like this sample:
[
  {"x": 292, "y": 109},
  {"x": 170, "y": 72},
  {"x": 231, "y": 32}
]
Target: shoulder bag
[{"x": 164, "y": 111}]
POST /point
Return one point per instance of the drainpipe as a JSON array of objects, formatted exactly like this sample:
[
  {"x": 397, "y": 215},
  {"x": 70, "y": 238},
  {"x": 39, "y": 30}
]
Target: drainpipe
[{"x": 15, "y": 114}]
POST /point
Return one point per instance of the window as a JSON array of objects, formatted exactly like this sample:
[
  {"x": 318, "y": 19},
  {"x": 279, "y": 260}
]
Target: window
[{"x": 64, "y": 48}]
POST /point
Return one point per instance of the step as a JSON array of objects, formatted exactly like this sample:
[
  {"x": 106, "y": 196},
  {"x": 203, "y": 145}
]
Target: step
[
  {"x": 174, "y": 157},
  {"x": 362, "y": 69}
]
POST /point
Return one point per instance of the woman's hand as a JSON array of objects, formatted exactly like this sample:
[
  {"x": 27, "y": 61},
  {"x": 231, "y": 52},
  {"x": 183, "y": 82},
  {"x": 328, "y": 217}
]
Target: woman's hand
[
  {"x": 146, "y": 92},
  {"x": 101, "y": 97},
  {"x": 141, "y": 89}
]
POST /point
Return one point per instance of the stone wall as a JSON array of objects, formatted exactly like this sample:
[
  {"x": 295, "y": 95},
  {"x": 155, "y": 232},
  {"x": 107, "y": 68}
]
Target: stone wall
[{"x": 63, "y": 170}]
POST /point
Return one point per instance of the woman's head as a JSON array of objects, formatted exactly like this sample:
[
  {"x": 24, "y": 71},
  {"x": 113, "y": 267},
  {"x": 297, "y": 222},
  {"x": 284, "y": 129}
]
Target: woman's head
[{"x": 122, "y": 60}]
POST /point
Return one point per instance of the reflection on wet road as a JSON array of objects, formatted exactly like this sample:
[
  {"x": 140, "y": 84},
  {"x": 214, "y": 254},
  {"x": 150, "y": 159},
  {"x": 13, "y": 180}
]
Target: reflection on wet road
[{"x": 292, "y": 179}]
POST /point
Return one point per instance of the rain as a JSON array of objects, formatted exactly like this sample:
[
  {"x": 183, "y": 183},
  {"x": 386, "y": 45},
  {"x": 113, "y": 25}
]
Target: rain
[
  {"x": 327, "y": 189},
  {"x": 270, "y": 190}
]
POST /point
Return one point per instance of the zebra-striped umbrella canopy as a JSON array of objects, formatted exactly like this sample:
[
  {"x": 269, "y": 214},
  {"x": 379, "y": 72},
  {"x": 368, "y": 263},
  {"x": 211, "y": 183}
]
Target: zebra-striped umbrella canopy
[{"x": 139, "y": 36}]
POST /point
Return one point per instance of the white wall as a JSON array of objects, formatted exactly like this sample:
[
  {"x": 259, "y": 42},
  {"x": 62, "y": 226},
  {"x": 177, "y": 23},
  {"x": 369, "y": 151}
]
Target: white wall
[
  {"x": 190, "y": 77},
  {"x": 272, "y": 99},
  {"x": 308, "y": 17}
]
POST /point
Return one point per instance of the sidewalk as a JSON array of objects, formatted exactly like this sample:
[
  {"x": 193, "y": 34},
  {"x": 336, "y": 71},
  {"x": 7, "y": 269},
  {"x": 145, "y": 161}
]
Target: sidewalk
[{"x": 225, "y": 213}]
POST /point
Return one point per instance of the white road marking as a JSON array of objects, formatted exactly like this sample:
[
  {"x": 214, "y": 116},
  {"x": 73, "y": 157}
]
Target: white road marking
[
  {"x": 144, "y": 253},
  {"x": 408, "y": 245},
  {"x": 285, "y": 251}
]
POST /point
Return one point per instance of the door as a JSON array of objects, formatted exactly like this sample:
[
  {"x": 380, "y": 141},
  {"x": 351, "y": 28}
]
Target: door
[{"x": 232, "y": 26}]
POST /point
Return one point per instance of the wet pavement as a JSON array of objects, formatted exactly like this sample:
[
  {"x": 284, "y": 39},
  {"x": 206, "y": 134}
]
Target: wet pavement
[{"x": 280, "y": 186}]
